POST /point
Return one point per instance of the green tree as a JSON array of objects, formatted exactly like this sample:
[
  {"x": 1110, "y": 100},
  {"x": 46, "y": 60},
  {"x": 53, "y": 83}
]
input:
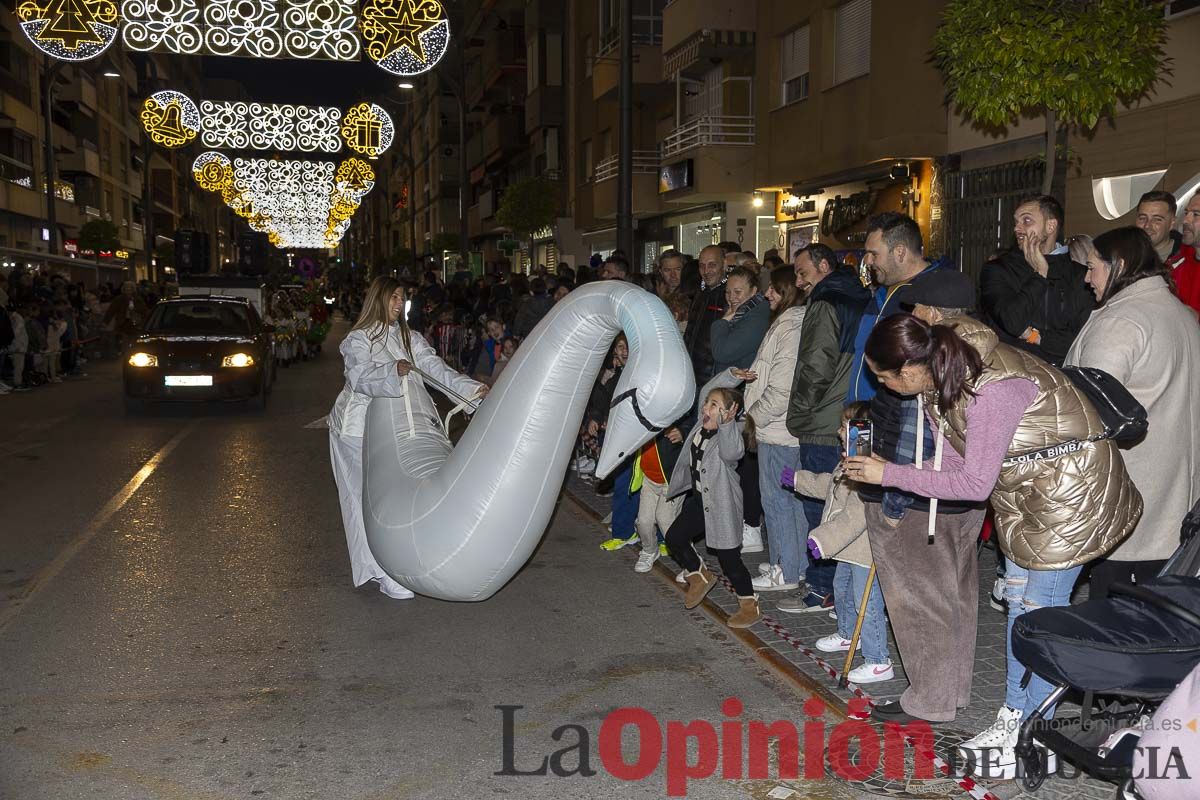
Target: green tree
[
  {"x": 1072, "y": 61},
  {"x": 97, "y": 235},
  {"x": 527, "y": 206}
]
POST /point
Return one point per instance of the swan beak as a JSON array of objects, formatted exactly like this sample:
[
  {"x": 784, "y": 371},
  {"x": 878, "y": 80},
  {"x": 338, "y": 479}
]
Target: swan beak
[{"x": 623, "y": 438}]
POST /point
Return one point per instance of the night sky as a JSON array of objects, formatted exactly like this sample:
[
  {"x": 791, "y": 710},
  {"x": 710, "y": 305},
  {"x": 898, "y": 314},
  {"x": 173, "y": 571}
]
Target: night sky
[{"x": 300, "y": 82}]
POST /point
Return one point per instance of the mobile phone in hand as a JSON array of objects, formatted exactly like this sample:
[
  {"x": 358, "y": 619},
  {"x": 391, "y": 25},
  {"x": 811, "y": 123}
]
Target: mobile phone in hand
[{"x": 859, "y": 433}]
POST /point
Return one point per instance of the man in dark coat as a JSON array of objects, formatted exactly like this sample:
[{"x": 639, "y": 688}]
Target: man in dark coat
[
  {"x": 1034, "y": 294},
  {"x": 707, "y": 307}
]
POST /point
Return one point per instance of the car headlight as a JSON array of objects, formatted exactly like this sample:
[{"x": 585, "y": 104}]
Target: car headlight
[
  {"x": 238, "y": 360},
  {"x": 143, "y": 360}
]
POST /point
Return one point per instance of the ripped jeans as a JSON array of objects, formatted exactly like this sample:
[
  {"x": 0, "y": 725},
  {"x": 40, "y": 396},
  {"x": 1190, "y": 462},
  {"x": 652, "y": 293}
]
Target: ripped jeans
[{"x": 1026, "y": 590}]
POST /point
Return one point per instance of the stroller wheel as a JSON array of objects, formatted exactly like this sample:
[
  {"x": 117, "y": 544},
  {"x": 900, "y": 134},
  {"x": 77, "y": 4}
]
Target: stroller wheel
[{"x": 1033, "y": 767}]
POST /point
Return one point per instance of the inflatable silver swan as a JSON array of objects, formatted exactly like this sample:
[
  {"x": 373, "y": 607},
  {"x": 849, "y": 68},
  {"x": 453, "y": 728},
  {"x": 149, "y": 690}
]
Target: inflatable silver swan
[{"x": 457, "y": 523}]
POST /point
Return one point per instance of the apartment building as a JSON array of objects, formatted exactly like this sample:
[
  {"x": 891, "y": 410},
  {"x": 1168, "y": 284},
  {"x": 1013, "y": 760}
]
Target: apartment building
[{"x": 99, "y": 157}]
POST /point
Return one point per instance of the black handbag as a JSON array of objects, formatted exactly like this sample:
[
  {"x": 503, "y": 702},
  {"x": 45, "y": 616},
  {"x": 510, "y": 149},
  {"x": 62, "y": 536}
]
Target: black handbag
[{"x": 1124, "y": 418}]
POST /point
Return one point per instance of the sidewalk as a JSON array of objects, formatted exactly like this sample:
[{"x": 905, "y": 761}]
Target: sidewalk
[{"x": 791, "y": 637}]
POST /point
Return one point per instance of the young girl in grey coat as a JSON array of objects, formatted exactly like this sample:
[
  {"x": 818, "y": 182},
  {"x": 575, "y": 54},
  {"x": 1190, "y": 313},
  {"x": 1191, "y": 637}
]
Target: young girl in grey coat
[{"x": 707, "y": 473}]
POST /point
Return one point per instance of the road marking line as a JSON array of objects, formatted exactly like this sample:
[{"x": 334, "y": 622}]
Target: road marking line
[{"x": 115, "y": 504}]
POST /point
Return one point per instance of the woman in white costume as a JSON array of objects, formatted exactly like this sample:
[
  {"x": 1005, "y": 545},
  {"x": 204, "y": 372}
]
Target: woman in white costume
[{"x": 379, "y": 355}]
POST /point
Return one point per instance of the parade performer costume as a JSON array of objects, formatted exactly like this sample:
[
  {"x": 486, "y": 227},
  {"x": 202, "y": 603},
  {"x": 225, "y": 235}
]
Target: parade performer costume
[{"x": 379, "y": 353}]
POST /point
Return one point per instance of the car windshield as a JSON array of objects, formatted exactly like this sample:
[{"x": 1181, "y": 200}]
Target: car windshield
[{"x": 199, "y": 319}]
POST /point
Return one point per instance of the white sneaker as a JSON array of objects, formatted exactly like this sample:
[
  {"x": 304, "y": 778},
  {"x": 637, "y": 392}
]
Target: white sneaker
[
  {"x": 681, "y": 577},
  {"x": 394, "y": 590},
  {"x": 773, "y": 581},
  {"x": 751, "y": 539},
  {"x": 1002, "y": 733},
  {"x": 646, "y": 560},
  {"x": 835, "y": 643},
  {"x": 871, "y": 673},
  {"x": 765, "y": 568}
]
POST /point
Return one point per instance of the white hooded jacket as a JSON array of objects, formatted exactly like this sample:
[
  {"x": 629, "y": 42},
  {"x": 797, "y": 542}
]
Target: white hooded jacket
[{"x": 371, "y": 372}]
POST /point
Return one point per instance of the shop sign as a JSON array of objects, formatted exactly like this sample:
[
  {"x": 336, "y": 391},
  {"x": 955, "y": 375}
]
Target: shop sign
[
  {"x": 542, "y": 234},
  {"x": 121, "y": 254},
  {"x": 71, "y": 246}
]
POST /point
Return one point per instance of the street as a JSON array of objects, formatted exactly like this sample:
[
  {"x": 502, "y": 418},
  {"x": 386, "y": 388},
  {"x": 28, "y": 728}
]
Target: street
[{"x": 178, "y": 622}]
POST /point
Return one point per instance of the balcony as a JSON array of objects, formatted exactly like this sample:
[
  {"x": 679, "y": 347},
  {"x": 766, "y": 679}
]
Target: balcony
[
  {"x": 503, "y": 134},
  {"x": 645, "y": 162},
  {"x": 81, "y": 92},
  {"x": 474, "y": 150},
  {"x": 645, "y": 184},
  {"x": 709, "y": 131},
  {"x": 83, "y": 160},
  {"x": 544, "y": 108},
  {"x": 505, "y": 54},
  {"x": 647, "y": 58},
  {"x": 695, "y": 31}
]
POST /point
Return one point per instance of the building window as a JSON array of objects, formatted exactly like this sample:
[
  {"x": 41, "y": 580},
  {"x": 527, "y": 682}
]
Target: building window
[
  {"x": 1178, "y": 8},
  {"x": 647, "y": 23},
  {"x": 851, "y": 40},
  {"x": 793, "y": 54}
]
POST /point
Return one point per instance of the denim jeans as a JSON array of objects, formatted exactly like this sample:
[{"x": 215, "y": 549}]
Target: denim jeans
[
  {"x": 818, "y": 458},
  {"x": 624, "y": 503},
  {"x": 1026, "y": 590},
  {"x": 849, "y": 581},
  {"x": 787, "y": 526}
]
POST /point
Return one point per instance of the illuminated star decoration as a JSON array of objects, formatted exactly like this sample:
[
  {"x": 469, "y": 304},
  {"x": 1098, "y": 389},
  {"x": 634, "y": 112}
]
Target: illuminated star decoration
[
  {"x": 171, "y": 118},
  {"x": 73, "y": 30},
  {"x": 368, "y": 129},
  {"x": 405, "y": 37}
]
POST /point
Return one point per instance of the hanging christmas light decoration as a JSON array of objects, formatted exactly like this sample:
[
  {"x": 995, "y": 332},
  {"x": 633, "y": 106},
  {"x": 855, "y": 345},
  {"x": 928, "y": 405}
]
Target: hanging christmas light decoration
[
  {"x": 405, "y": 37},
  {"x": 171, "y": 118},
  {"x": 270, "y": 126},
  {"x": 299, "y": 204},
  {"x": 320, "y": 29},
  {"x": 74, "y": 30},
  {"x": 368, "y": 129}
]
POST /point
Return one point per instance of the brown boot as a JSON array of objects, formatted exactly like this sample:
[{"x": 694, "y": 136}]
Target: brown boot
[
  {"x": 747, "y": 613},
  {"x": 699, "y": 584}
]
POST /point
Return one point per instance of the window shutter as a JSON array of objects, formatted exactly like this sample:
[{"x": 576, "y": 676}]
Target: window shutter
[
  {"x": 852, "y": 40},
  {"x": 795, "y": 53}
]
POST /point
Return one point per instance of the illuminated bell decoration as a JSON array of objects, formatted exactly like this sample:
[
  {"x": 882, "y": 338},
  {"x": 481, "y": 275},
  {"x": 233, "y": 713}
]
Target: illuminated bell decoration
[
  {"x": 368, "y": 129},
  {"x": 405, "y": 37},
  {"x": 171, "y": 118},
  {"x": 74, "y": 30}
]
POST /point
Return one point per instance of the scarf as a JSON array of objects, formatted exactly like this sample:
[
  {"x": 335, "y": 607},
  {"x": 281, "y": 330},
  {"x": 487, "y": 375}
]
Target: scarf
[{"x": 745, "y": 307}]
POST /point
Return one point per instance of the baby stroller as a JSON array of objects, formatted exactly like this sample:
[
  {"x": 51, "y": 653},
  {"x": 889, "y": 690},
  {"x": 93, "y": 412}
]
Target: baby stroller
[{"x": 1124, "y": 652}]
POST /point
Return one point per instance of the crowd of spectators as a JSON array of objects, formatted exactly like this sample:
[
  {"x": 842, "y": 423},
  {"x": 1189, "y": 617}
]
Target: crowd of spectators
[
  {"x": 50, "y": 327},
  {"x": 957, "y": 380}
]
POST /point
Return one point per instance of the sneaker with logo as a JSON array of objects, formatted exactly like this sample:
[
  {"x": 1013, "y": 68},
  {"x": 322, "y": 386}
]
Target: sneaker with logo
[
  {"x": 645, "y": 561},
  {"x": 835, "y": 643},
  {"x": 752, "y": 538},
  {"x": 996, "y": 596},
  {"x": 616, "y": 544},
  {"x": 773, "y": 581},
  {"x": 871, "y": 673}
]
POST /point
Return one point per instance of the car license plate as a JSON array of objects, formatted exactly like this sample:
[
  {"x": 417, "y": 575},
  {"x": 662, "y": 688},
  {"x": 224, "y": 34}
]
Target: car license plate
[{"x": 188, "y": 380}]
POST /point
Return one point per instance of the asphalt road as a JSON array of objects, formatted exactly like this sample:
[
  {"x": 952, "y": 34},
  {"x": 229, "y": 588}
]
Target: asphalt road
[{"x": 177, "y": 621}]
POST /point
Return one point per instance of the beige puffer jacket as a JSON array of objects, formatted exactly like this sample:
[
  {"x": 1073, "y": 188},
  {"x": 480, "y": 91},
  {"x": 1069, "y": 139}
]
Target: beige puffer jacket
[{"x": 1050, "y": 513}]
